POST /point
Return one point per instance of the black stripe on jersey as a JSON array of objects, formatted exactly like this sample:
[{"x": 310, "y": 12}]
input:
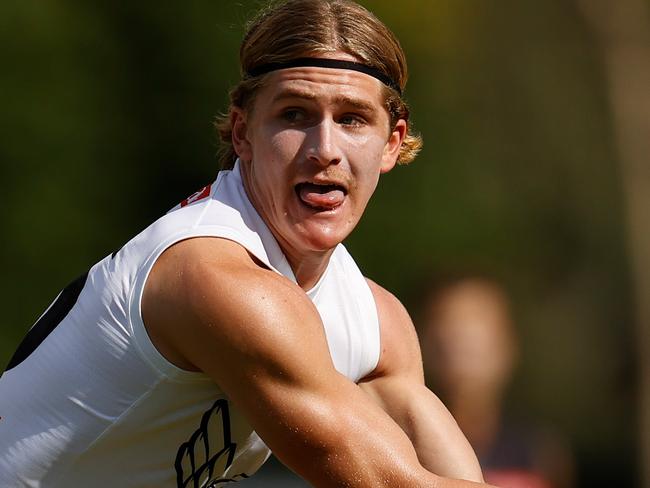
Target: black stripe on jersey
[{"x": 48, "y": 321}]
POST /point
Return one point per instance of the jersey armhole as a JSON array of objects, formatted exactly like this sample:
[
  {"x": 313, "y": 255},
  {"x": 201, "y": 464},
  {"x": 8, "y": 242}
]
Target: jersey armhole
[
  {"x": 373, "y": 349},
  {"x": 367, "y": 307},
  {"x": 143, "y": 343}
]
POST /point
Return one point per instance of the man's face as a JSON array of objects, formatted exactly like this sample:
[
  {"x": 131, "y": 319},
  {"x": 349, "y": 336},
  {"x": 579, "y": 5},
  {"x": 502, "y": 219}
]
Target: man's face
[{"x": 312, "y": 149}]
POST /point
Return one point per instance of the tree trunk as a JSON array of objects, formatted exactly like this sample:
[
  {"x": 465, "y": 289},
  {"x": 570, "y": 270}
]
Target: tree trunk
[{"x": 622, "y": 28}]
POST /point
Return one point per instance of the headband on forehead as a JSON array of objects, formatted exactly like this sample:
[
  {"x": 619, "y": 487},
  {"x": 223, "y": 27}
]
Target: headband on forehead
[{"x": 325, "y": 63}]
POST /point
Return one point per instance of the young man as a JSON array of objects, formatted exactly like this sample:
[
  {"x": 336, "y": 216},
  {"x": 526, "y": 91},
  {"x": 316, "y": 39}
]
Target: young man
[{"x": 238, "y": 320}]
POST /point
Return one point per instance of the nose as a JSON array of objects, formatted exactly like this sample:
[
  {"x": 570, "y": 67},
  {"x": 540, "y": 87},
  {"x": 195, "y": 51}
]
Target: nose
[{"x": 323, "y": 145}]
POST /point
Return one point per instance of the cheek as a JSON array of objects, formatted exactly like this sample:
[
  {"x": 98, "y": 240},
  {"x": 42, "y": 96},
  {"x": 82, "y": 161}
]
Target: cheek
[
  {"x": 285, "y": 144},
  {"x": 269, "y": 142},
  {"x": 369, "y": 186},
  {"x": 368, "y": 146},
  {"x": 365, "y": 183},
  {"x": 368, "y": 157}
]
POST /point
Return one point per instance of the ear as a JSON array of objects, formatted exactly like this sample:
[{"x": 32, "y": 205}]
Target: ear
[
  {"x": 393, "y": 146},
  {"x": 240, "y": 142}
]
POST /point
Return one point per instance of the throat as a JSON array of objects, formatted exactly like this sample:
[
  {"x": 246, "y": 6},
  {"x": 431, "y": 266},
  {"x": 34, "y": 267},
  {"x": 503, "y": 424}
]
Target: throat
[{"x": 309, "y": 268}]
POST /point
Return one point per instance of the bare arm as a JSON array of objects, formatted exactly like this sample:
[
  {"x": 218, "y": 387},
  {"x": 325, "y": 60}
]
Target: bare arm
[
  {"x": 209, "y": 306},
  {"x": 397, "y": 385}
]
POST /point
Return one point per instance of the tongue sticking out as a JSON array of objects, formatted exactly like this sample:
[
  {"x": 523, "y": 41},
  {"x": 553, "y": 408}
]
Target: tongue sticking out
[{"x": 324, "y": 197}]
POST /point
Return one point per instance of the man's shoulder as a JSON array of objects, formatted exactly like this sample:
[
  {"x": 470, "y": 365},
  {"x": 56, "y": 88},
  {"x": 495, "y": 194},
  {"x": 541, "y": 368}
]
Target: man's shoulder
[
  {"x": 213, "y": 287},
  {"x": 209, "y": 255},
  {"x": 207, "y": 268},
  {"x": 388, "y": 305}
]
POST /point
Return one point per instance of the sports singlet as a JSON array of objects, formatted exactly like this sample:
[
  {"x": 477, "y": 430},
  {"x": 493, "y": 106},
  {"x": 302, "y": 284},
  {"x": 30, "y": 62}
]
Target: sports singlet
[{"x": 87, "y": 400}]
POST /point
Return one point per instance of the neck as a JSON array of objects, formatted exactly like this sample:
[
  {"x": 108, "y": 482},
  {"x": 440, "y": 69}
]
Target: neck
[{"x": 307, "y": 267}]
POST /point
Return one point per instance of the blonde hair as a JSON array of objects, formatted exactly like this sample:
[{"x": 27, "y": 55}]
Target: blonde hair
[{"x": 291, "y": 29}]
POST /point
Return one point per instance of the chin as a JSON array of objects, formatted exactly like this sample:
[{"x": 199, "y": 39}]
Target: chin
[{"x": 323, "y": 239}]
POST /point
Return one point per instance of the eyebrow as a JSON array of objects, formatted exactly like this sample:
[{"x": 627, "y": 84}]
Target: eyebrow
[{"x": 356, "y": 103}]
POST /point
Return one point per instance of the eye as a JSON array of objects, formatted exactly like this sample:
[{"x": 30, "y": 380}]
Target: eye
[
  {"x": 352, "y": 120},
  {"x": 293, "y": 115}
]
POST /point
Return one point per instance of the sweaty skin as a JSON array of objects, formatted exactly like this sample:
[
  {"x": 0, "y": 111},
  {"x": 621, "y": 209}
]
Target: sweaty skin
[{"x": 312, "y": 150}]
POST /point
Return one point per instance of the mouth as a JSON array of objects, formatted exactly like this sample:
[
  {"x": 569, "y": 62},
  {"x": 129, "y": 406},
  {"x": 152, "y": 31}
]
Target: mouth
[{"x": 321, "y": 197}]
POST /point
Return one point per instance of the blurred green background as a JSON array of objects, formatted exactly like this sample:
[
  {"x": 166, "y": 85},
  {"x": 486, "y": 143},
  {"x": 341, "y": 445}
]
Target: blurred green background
[{"x": 106, "y": 112}]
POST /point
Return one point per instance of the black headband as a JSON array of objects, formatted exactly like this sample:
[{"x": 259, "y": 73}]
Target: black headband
[{"x": 325, "y": 63}]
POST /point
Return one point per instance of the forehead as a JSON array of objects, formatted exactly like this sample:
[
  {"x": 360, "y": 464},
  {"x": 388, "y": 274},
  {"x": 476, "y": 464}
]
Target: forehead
[{"x": 324, "y": 85}]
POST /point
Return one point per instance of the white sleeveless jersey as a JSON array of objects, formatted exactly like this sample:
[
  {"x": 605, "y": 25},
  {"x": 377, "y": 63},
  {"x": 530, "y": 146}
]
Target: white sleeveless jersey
[{"x": 87, "y": 400}]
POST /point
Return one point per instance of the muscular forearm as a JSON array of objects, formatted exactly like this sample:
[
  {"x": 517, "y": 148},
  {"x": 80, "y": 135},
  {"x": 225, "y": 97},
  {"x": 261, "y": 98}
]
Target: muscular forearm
[
  {"x": 440, "y": 445},
  {"x": 331, "y": 444},
  {"x": 397, "y": 387}
]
